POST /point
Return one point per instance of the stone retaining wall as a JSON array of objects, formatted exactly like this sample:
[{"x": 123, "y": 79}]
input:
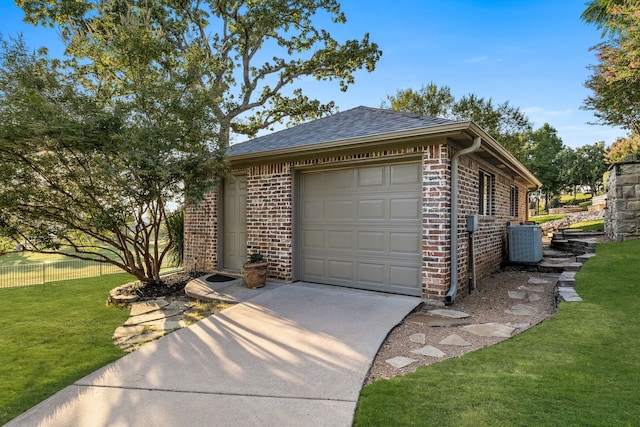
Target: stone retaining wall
[
  {"x": 622, "y": 216},
  {"x": 565, "y": 210}
]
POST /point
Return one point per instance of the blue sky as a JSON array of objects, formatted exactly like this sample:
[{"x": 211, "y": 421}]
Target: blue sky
[{"x": 532, "y": 53}]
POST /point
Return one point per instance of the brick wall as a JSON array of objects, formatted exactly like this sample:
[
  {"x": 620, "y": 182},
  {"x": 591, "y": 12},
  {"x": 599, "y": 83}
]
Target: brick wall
[
  {"x": 200, "y": 234},
  {"x": 490, "y": 241},
  {"x": 270, "y": 217},
  {"x": 436, "y": 238}
]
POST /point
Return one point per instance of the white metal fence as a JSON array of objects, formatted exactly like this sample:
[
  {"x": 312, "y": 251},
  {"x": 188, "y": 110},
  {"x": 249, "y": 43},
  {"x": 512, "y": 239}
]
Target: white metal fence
[{"x": 35, "y": 274}]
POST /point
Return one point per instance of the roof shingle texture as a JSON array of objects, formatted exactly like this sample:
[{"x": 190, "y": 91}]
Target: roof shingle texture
[{"x": 354, "y": 123}]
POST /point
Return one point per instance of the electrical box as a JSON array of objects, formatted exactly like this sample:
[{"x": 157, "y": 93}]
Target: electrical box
[{"x": 472, "y": 223}]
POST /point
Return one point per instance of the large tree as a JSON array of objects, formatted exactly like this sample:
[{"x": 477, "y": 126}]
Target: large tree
[
  {"x": 142, "y": 109},
  {"x": 543, "y": 159},
  {"x": 504, "y": 122},
  {"x": 89, "y": 175},
  {"x": 624, "y": 149},
  {"x": 616, "y": 77},
  {"x": 591, "y": 165},
  {"x": 255, "y": 54}
]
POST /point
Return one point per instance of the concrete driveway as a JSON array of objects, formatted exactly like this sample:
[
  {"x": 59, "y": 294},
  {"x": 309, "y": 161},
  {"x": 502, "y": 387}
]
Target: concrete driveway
[{"x": 296, "y": 355}]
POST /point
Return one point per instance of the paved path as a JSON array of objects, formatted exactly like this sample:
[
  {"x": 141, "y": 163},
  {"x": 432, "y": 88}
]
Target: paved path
[{"x": 296, "y": 355}]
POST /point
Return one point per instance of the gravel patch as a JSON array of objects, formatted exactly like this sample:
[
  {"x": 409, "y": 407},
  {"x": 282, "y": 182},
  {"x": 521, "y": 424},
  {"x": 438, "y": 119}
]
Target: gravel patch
[{"x": 489, "y": 303}]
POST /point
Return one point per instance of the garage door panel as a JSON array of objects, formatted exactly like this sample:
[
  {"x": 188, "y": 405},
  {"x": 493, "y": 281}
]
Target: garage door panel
[
  {"x": 313, "y": 210},
  {"x": 340, "y": 270},
  {"x": 340, "y": 179},
  {"x": 405, "y": 208},
  {"x": 368, "y": 234},
  {"x": 340, "y": 239},
  {"x": 371, "y": 209},
  {"x": 371, "y": 274},
  {"x": 313, "y": 239},
  {"x": 406, "y": 174},
  {"x": 371, "y": 241},
  {"x": 404, "y": 276},
  {"x": 314, "y": 267},
  {"x": 371, "y": 176},
  {"x": 313, "y": 183},
  {"x": 340, "y": 210},
  {"x": 404, "y": 243}
]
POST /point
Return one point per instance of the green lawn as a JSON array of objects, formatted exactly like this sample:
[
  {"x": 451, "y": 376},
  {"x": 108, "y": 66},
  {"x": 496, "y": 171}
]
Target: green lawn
[
  {"x": 52, "y": 335},
  {"x": 28, "y": 268},
  {"x": 541, "y": 219},
  {"x": 596, "y": 225},
  {"x": 581, "y": 367},
  {"x": 582, "y": 197}
]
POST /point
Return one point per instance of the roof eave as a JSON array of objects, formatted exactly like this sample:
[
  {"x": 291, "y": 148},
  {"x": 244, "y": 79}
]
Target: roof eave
[{"x": 501, "y": 153}]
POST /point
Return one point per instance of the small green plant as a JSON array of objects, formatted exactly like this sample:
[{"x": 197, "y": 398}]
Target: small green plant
[
  {"x": 255, "y": 258},
  {"x": 175, "y": 228}
]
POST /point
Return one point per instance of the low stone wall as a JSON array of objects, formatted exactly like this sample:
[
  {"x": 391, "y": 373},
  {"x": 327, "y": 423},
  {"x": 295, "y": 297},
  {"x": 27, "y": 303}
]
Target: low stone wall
[
  {"x": 565, "y": 210},
  {"x": 622, "y": 217},
  {"x": 577, "y": 245},
  {"x": 598, "y": 203}
]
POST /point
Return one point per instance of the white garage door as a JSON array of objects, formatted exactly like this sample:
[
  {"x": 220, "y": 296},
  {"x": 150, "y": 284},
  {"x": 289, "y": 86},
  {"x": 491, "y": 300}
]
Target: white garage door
[{"x": 362, "y": 227}]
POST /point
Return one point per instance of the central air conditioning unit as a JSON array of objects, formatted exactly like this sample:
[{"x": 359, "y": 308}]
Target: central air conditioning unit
[{"x": 525, "y": 243}]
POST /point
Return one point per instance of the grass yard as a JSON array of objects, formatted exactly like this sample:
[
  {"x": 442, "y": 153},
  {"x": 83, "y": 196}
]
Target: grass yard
[
  {"x": 581, "y": 367},
  {"x": 541, "y": 219},
  {"x": 596, "y": 225},
  {"x": 52, "y": 335}
]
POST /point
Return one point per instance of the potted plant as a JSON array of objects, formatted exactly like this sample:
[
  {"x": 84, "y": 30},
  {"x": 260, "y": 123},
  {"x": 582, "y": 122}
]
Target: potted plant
[{"x": 255, "y": 271}]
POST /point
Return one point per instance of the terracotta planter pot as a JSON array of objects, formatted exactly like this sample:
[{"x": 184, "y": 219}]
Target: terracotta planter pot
[{"x": 255, "y": 274}]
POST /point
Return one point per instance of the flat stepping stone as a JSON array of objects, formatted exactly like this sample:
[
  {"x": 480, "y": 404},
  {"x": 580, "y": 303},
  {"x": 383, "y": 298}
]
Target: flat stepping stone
[
  {"x": 567, "y": 278},
  {"x": 553, "y": 253},
  {"x": 429, "y": 350},
  {"x": 519, "y": 325},
  {"x": 160, "y": 323},
  {"x": 537, "y": 281},
  {"x": 144, "y": 307},
  {"x": 489, "y": 330},
  {"x": 530, "y": 288},
  {"x": 585, "y": 257},
  {"x": 147, "y": 336},
  {"x": 436, "y": 321},
  {"x": 177, "y": 305},
  {"x": 568, "y": 294},
  {"x": 127, "y": 331},
  {"x": 418, "y": 338},
  {"x": 399, "y": 362},
  {"x": 517, "y": 294},
  {"x": 524, "y": 295},
  {"x": 455, "y": 340},
  {"x": 150, "y": 317},
  {"x": 573, "y": 266},
  {"x": 450, "y": 313},
  {"x": 522, "y": 310}
]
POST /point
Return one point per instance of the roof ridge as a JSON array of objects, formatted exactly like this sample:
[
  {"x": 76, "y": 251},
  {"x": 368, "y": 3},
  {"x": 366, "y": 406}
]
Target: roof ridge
[{"x": 403, "y": 113}]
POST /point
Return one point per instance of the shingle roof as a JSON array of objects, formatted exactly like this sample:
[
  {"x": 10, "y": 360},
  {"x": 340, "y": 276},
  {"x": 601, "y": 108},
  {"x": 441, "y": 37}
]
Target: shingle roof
[{"x": 357, "y": 122}]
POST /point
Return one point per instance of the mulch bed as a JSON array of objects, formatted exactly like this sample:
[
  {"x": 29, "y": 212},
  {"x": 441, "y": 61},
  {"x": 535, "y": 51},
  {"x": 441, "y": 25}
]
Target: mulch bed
[{"x": 171, "y": 285}]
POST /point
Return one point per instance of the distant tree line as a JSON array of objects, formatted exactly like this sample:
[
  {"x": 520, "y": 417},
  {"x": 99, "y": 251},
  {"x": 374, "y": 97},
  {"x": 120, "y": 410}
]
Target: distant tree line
[{"x": 559, "y": 167}]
